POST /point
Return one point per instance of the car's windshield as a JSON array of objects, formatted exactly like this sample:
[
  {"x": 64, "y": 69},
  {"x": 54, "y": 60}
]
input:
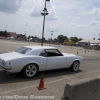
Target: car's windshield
[{"x": 23, "y": 50}]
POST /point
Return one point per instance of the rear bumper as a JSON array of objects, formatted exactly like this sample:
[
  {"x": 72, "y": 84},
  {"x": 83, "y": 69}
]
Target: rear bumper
[{"x": 6, "y": 68}]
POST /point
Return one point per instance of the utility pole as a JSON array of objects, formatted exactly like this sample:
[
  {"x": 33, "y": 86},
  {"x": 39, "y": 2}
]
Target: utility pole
[
  {"x": 99, "y": 38},
  {"x": 51, "y": 35},
  {"x": 44, "y": 13}
]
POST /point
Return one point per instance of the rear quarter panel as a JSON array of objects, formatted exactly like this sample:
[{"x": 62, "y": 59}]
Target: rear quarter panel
[{"x": 18, "y": 64}]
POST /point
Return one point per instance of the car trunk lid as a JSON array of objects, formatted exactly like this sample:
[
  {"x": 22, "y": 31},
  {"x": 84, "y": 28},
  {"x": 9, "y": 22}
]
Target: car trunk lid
[{"x": 11, "y": 55}]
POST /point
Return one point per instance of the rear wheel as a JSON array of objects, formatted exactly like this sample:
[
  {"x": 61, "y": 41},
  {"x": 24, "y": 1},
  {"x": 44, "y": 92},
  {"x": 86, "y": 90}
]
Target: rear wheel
[
  {"x": 30, "y": 70},
  {"x": 75, "y": 66}
]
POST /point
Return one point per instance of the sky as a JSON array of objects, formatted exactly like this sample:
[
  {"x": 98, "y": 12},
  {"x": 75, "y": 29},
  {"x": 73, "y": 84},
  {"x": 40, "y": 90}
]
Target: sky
[{"x": 80, "y": 18}]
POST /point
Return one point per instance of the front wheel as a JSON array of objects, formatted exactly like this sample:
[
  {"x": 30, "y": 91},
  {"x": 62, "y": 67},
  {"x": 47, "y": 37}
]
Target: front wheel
[
  {"x": 30, "y": 70},
  {"x": 75, "y": 66}
]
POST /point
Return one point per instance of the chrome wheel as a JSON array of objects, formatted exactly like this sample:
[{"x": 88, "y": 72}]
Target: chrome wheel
[
  {"x": 30, "y": 70},
  {"x": 75, "y": 66}
]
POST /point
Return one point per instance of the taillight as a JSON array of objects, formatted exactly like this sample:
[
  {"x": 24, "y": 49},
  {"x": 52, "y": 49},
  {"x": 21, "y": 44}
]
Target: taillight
[{"x": 3, "y": 62}]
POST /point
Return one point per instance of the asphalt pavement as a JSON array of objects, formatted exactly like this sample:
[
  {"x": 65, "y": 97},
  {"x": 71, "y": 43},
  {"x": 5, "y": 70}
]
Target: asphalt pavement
[{"x": 12, "y": 85}]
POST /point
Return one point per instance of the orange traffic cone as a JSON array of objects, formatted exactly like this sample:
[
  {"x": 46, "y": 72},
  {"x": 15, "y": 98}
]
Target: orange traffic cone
[{"x": 41, "y": 84}]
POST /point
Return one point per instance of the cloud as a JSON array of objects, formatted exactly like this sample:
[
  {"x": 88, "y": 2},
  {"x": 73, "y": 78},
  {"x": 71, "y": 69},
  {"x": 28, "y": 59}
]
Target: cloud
[
  {"x": 35, "y": 13},
  {"x": 52, "y": 16},
  {"x": 54, "y": 29},
  {"x": 98, "y": 28},
  {"x": 10, "y": 6},
  {"x": 69, "y": 16},
  {"x": 37, "y": 24},
  {"x": 26, "y": 24},
  {"x": 82, "y": 26},
  {"x": 95, "y": 11},
  {"x": 73, "y": 24},
  {"x": 79, "y": 26},
  {"x": 77, "y": 17},
  {"x": 94, "y": 22},
  {"x": 38, "y": 7}
]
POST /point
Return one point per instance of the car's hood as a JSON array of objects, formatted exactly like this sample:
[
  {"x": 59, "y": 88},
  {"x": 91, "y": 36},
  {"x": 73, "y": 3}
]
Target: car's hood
[
  {"x": 68, "y": 54},
  {"x": 10, "y": 56}
]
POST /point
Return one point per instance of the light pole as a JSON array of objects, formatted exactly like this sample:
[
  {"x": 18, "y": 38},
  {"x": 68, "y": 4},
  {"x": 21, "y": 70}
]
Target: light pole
[
  {"x": 51, "y": 35},
  {"x": 99, "y": 38},
  {"x": 25, "y": 34},
  {"x": 94, "y": 36},
  {"x": 44, "y": 13}
]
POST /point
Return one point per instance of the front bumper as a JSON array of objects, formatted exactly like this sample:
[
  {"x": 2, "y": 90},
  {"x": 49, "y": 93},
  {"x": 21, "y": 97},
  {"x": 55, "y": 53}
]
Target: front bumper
[{"x": 6, "y": 68}]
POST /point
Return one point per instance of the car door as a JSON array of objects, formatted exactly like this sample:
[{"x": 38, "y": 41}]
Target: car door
[
  {"x": 55, "y": 60},
  {"x": 44, "y": 60}
]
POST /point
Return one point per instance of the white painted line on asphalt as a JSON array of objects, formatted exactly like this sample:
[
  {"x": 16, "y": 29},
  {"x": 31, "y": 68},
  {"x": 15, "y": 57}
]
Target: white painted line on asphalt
[
  {"x": 30, "y": 86},
  {"x": 45, "y": 83}
]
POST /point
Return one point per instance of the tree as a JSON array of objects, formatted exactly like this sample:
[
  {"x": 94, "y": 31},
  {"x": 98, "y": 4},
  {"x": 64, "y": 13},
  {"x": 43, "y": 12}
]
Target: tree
[
  {"x": 80, "y": 39},
  {"x": 29, "y": 37},
  {"x": 55, "y": 39},
  {"x": 61, "y": 38},
  {"x": 32, "y": 37},
  {"x": 1, "y": 33},
  {"x": 5, "y": 33},
  {"x": 75, "y": 39}
]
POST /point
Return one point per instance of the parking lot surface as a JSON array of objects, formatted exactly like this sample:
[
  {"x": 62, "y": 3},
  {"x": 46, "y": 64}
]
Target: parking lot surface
[{"x": 55, "y": 81}]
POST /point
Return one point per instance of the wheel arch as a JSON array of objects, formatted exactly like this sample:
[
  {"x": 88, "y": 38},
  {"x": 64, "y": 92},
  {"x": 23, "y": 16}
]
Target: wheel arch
[
  {"x": 72, "y": 67},
  {"x": 76, "y": 60},
  {"x": 31, "y": 63}
]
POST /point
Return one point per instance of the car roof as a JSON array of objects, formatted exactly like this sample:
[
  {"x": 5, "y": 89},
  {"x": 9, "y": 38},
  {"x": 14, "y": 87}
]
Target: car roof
[
  {"x": 36, "y": 50},
  {"x": 40, "y": 47}
]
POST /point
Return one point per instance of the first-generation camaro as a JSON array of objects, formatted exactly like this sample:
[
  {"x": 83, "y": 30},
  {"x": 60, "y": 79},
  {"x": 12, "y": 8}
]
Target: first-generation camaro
[{"x": 31, "y": 59}]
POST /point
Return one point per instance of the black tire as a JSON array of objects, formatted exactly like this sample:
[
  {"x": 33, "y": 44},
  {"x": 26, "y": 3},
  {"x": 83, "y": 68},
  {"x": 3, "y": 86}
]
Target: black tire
[
  {"x": 30, "y": 70},
  {"x": 75, "y": 66}
]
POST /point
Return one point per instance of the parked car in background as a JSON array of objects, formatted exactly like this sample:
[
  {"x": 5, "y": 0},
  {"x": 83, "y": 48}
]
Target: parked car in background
[
  {"x": 1, "y": 37},
  {"x": 31, "y": 59}
]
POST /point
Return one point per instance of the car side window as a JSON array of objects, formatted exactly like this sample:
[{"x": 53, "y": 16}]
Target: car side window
[
  {"x": 43, "y": 53},
  {"x": 53, "y": 53}
]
